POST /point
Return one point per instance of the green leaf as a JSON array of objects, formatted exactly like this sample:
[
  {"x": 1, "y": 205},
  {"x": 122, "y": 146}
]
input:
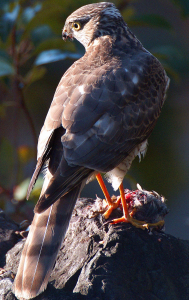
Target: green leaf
[
  {"x": 6, "y": 68},
  {"x": 173, "y": 56},
  {"x": 7, "y": 21},
  {"x": 150, "y": 20},
  {"x": 30, "y": 12},
  {"x": 46, "y": 16},
  {"x": 54, "y": 14},
  {"x": 55, "y": 43},
  {"x": 4, "y": 55},
  {"x": 37, "y": 188},
  {"x": 4, "y": 3},
  {"x": 173, "y": 59},
  {"x": 172, "y": 73},
  {"x": 34, "y": 74},
  {"x": 41, "y": 34},
  {"x": 128, "y": 13},
  {"x": 53, "y": 55},
  {"x": 21, "y": 190},
  {"x": 184, "y": 6}
]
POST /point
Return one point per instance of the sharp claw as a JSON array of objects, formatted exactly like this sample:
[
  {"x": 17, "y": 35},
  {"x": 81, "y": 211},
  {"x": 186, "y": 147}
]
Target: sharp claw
[
  {"x": 138, "y": 224},
  {"x": 125, "y": 199}
]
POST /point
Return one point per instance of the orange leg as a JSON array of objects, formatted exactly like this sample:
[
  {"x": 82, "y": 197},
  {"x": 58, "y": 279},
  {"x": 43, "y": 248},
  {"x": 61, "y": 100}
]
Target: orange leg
[
  {"x": 126, "y": 216},
  {"x": 112, "y": 205}
]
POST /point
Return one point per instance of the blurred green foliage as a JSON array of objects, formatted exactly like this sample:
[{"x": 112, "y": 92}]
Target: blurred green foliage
[
  {"x": 183, "y": 5},
  {"x": 31, "y": 47}
]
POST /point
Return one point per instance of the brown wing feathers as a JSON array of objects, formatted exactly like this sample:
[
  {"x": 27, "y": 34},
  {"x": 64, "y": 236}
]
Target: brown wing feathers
[
  {"x": 105, "y": 106},
  {"x": 40, "y": 163},
  {"x": 59, "y": 186}
]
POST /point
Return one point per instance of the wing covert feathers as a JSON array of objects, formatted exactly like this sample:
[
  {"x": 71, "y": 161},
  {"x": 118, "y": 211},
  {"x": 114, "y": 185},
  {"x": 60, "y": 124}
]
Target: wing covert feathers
[{"x": 59, "y": 186}]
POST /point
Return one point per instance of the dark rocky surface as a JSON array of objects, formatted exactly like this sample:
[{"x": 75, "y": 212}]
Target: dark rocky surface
[
  {"x": 8, "y": 238},
  {"x": 103, "y": 261}
]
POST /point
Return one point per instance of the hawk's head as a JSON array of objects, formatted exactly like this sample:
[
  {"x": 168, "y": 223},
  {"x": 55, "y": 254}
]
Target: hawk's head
[{"x": 92, "y": 21}]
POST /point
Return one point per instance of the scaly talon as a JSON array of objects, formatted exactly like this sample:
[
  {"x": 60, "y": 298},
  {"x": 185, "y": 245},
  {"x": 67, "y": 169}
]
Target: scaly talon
[
  {"x": 127, "y": 218},
  {"x": 112, "y": 206},
  {"x": 138, "y": 224}
]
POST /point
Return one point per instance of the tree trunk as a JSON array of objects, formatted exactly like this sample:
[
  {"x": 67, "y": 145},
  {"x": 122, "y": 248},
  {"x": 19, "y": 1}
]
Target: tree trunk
[{"x": 102, "y": 261}]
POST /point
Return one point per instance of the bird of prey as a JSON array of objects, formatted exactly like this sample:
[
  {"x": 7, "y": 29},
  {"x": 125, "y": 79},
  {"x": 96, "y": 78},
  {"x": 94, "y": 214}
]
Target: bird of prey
[{"x": 103, "y": 111}]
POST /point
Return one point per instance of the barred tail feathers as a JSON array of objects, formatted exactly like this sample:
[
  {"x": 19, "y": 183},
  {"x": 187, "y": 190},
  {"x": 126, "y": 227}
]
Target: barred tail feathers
[{"x": 44, "y": 240}]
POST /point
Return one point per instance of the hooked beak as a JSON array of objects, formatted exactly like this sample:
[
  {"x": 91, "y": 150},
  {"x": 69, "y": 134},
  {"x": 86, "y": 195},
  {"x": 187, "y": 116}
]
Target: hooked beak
[{"x": 66, "y": 35}]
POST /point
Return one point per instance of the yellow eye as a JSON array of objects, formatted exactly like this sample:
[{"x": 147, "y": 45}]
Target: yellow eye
[{"x": 76, "y": 26}]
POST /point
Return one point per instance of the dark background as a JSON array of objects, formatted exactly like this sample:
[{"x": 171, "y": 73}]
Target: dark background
[{"x": 32, "y": 60}]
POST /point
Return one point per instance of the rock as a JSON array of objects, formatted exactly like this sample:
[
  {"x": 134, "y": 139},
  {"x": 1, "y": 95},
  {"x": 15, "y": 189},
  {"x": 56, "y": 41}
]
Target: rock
[
  {"x": 103, "y": 261},
  {"x": 8, "y": 238}
]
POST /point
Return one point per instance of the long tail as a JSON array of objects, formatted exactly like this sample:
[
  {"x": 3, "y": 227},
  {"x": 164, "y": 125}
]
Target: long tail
[{"x": 45, "y": 237}]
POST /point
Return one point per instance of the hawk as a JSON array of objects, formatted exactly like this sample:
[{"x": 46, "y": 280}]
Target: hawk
[{"x": 103, "y": 111}]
